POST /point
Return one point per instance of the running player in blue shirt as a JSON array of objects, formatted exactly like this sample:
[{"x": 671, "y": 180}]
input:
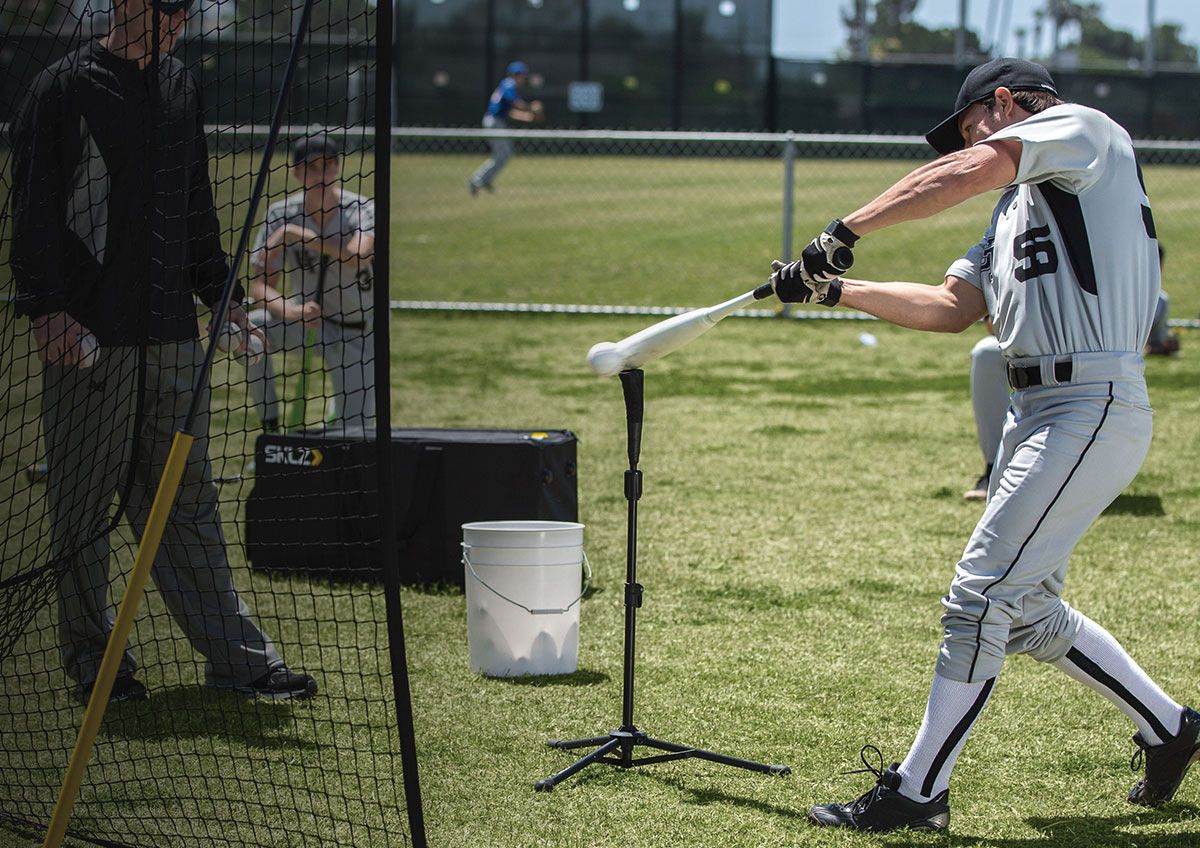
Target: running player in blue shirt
[{"x": 504, "y": 105}]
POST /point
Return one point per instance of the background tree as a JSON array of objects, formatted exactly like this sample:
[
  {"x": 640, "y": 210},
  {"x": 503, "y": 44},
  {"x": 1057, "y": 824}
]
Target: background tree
[
  {"x": 893, "y": 30},
  {"x": 1100, "y": 44}
]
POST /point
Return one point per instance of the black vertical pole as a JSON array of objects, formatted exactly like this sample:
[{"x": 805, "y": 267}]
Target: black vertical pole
[
  {"x": 489, "y": 49},
  {"x": 677, "y": 75},
  {"x": 771, "y": 114},
  {"x": 632, "y": 383},
  {"x": 383, "y": 422},
  {"x": 771, "y": 107},
  {"x": 394, "y": 73},
  {"x": 585, "y": 49}
]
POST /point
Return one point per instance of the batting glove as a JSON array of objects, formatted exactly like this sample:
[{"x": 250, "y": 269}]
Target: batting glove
[
  {"x": 830, "y": 254},
  {"x": 791, "y": 287}
]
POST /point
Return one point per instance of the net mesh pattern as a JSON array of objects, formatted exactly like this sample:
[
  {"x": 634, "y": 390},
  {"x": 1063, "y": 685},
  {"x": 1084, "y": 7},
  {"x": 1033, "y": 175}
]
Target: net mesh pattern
[{"x": 123, "y": 214}]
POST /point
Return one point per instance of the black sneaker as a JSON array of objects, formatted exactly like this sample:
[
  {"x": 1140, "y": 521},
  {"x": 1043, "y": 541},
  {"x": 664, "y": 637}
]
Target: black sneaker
[
  {"x": 125, "y": 688},
  {"x": 979, "y": 491},
  {"x": 883, "y": 808},
  {"x": 280, "y": 684},
  {"x": 1166, "y": 764}
]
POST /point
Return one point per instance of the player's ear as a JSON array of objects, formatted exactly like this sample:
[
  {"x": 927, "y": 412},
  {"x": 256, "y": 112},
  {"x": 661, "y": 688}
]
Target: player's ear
[{"x": 1004, "y": 100}]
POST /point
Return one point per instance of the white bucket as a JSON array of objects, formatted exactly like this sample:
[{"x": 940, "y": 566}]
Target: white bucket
[{"x": 523, "y": 594}]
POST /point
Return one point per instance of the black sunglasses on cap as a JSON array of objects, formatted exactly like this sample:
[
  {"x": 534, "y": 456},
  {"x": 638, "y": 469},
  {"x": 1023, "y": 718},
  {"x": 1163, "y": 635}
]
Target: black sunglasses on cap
[{"x": 172, "y": 7}]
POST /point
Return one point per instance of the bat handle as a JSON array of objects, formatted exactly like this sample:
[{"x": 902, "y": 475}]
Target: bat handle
[{"x": 763, "y": 291}]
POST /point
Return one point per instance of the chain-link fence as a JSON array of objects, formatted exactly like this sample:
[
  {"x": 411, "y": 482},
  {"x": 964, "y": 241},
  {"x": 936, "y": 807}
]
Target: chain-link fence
[{"x": 673, "y": 219}]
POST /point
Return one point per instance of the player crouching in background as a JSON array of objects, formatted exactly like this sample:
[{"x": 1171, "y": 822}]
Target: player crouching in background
[{"x": 323, "y": 236}]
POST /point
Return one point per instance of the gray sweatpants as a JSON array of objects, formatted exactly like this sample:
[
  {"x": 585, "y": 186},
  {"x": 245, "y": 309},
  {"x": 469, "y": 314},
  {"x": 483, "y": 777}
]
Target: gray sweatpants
[
  {"x": 502, "y": 151},
  {"x": 88, "y": 420},
  {"x": 349, "y": 357},
  {"x": 1067, "y": 451}
]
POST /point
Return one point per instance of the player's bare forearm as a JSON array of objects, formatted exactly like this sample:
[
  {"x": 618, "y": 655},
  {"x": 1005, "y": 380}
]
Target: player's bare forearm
[
  {"x": 948, "y": 308},
  {"x": 355, "y": 251},
  {"x": 264, "y": 290},
  {"x": 939, "y": 185}
]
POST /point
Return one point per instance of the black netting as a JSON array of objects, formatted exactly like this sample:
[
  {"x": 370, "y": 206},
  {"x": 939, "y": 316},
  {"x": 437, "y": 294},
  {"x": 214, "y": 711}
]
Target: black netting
[{"x": 255, "y": 704}]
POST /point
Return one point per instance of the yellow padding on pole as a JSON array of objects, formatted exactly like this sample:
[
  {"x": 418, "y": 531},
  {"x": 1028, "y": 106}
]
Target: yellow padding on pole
[{"x": 164, "y": 500}]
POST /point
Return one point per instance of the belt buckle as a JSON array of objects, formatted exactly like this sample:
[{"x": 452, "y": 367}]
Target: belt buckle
[{"x": 1017, "y": 377}]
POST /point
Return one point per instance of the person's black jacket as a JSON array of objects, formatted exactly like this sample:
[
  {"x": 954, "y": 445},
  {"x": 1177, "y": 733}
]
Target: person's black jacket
[{"x": 112, "y": 205}]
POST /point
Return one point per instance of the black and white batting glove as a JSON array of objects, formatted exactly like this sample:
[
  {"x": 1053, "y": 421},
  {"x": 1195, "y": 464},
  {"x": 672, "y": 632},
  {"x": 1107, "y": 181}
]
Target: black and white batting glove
[
  {"x": 791, "y": 287},
  {"x": 830, "y": 254}
]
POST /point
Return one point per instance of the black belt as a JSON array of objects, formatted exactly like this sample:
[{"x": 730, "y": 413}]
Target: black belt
[{"x": 1025, "y": 376}]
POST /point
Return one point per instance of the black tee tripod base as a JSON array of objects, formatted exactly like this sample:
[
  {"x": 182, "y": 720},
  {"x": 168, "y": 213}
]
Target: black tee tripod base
[{"x": 617, "y": 746}]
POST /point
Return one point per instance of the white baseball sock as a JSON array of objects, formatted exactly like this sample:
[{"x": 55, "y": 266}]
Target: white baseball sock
[
  {"x": 1098, "y": 661},
  {"x": 952, "y": 710}
]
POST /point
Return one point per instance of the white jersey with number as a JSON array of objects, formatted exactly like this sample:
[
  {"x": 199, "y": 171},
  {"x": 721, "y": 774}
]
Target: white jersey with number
[
  {"x": 1070, "y": 261},
  {"x": 343, "y": 290}
]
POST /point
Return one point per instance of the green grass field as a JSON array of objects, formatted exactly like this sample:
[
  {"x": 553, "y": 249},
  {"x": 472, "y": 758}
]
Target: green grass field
[{"x": 802, "y": 517}]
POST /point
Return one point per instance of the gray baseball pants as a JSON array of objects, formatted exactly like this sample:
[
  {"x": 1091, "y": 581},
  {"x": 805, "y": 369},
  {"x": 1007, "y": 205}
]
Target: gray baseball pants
[
  {"x": 1160, "y": 330},
  {"x": 88, "y": 418},
  {"x": 349, "y": 357},
  {"x": 1067, "y": 451},
  {"x": 502, "y": 151},
  {"x": 989, "y": 395}
]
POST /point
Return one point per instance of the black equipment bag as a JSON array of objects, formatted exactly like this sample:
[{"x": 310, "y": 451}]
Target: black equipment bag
[{"x": 313, "y": 506}]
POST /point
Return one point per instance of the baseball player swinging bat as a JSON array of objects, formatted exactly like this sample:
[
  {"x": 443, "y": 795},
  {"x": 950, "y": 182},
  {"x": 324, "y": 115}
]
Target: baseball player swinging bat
[{"x": 657, "y": 340}]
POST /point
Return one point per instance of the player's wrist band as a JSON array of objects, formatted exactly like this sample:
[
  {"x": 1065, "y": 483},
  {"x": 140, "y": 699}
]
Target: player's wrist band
[
  {"x": 841, "y": 232},
  {"x": 833, "y": 294}
]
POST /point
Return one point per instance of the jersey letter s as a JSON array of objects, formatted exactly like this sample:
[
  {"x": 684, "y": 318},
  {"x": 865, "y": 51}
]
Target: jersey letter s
[{"x": 1035, "y": 254}]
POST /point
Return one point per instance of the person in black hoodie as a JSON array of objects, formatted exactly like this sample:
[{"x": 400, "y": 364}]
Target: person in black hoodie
[{"x": 114, "y": 233}]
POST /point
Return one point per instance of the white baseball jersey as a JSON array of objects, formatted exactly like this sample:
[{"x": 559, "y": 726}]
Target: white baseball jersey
[
  {"x": 343, "y": 291},
  {"x": 1070, "y": 261}
]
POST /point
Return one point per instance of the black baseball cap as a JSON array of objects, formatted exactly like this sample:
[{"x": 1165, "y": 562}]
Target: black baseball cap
[
  {"x": 980, "y": 84},
  {"x": 314, "y": 147}
]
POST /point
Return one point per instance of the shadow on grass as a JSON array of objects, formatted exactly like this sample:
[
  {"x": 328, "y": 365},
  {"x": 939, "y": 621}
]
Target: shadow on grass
[
  {"x": 198, "y": 712},
  {"x": 706, "y": 796},
  {"x": 583, "y": 677},
  {"x": 1100, "y": 832},
  {"x": 1136, "y": 505}
]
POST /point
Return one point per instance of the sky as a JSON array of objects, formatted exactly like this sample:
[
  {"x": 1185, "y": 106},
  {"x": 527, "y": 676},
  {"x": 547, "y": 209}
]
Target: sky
[{"x": 811, "y": 29}]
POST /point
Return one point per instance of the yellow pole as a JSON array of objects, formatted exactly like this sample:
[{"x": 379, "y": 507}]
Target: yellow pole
[{"x": 164, "y": 500}]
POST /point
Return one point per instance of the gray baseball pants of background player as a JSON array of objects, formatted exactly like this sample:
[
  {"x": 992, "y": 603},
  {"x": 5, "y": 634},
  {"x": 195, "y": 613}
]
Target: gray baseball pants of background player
[
  {"x": 349, "y": 357},
  {"x": 989, "y": 395},
  {"x": 1067, "y": 451},
  {"x": 502, "y": 151},
  {"x": 88, "y": 419}
]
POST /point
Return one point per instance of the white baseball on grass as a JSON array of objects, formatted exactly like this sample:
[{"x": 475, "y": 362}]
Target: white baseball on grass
[
  {"x": 89, "y": 351},
  {"x": 604, "y": 359}
]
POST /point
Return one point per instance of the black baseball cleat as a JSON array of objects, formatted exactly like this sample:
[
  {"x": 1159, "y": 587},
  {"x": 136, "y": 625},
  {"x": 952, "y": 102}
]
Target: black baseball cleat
[
  {"x": 280, "y": 684},
  {"x": 124, "y": 688},
  {"x": 979, "y": 491},
  {"x": 1166, "y": 764},
  {"x": 883, "y": 808}
]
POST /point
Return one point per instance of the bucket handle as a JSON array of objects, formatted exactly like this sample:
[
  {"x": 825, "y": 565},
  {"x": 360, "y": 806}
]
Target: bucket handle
[{"x": 587, "y": 584}]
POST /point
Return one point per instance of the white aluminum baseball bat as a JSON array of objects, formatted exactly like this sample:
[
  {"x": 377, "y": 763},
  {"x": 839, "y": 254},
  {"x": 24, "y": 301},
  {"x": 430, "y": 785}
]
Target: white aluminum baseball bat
[{"x": 657, "y": 340}]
